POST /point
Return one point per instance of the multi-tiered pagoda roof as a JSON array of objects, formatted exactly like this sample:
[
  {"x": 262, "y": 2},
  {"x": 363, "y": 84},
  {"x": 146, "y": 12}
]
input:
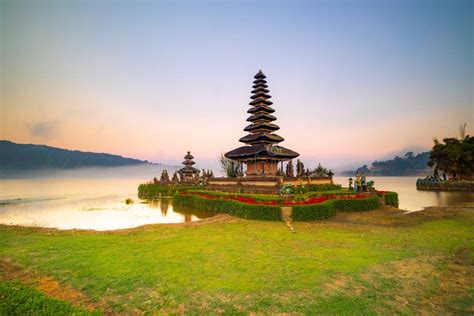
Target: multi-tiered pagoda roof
[
  {"x": 188, "y": 168},
  {"x": 261, "y": 141}
]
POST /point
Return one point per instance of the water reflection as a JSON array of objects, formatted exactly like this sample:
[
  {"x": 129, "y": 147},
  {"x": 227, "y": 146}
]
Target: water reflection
[{"x": 73, "y": 205}]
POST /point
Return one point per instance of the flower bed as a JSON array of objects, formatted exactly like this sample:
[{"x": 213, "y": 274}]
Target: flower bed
[{"x": 316, "y": 199}]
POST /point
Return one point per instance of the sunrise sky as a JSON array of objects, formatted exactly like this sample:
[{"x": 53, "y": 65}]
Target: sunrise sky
[{"x": 351, "y": 81}]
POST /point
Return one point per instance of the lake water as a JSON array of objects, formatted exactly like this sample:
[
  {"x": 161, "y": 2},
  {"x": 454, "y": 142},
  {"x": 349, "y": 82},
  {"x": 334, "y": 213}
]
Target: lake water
[{"x": 99, "y": 204}]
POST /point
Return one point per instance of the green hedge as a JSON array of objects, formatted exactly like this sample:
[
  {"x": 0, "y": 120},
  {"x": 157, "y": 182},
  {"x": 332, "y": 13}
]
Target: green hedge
[
  {"x": 329, "y": 208},
  {"x": 391, "y": 198},
  {"x": 152, "y": 190},
  {"x": 312, "y": 212},
  {"x": 304, "y": 188},
  {"x": 235, "y": 208},
  {"x": 356, "y": 205}
]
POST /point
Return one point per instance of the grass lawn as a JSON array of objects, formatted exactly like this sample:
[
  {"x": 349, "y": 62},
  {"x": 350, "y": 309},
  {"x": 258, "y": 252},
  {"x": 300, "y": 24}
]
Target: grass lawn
[{"x": 378, "y": 262}]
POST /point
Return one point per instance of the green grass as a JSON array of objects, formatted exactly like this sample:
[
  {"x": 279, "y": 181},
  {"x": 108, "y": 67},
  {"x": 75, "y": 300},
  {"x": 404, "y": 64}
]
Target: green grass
[
  {"x": 243, "y": 266},
  {"x": 21, "y": 300}
]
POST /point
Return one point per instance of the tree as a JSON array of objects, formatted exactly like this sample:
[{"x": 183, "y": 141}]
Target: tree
[
  {"x": 299, "y": 168},
  {"x": 229, "y": 167},
  {"x": 290, "y": 172},
  {"x": 455, "y": 156},
  {"x": 164, "y": 176},
  {"x": 320, "y": 171}
]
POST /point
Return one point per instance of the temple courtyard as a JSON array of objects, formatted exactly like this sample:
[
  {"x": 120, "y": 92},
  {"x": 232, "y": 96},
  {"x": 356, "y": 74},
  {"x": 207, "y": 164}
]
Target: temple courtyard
[{"x": 383, "y": 261}]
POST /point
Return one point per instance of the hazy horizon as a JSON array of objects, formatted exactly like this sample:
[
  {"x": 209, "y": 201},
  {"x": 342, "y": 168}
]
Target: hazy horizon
[{"x": 351, "y": 81}]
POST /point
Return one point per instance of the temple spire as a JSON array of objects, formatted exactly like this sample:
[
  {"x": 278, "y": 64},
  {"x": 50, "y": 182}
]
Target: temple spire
[{"x": 261, "y": 130}]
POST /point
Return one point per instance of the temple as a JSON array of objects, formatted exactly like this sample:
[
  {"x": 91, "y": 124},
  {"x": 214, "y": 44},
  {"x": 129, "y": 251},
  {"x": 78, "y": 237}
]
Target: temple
[
  {"x": 188, "y": 172},
  {"x": 261, "y": 154}
]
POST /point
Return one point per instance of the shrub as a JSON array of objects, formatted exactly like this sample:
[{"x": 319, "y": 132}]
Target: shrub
[
  {"x": 235, "y": 208},
  {"x": 391, "y": 198},
  {"x": 328, "y": 209},
  {"x": 356, "y": 205},
  {"x": 152, "y": 190},
  {"x": 305, "y": 188},
  {"x": 129, "y": 201},
  {"x": 312, "y": 212}
]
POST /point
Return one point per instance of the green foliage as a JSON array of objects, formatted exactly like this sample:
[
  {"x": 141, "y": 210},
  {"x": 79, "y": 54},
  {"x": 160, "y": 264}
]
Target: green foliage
[
  {"x": 356, "y": 205},
  {"x": 391, "y": 198},
  {"x": 155, "y": 190},
  {"x": 320, "y": 171},
  {"x": 128, "y": 201},
  {"x": 18, "y": 299},
  {"x": 299, "y": 189},
  {"x": 328, "y": 209},
  {"x": 454, "y": 156},
  {"x": 410, "y": 164},
  {"x": 229, "y": 167},
  {"x": 313, "y": 212},
  {"x": 235, "y": 208}
]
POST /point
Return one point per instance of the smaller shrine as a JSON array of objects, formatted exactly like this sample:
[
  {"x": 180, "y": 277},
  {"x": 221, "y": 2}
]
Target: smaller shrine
[{"x": 188, "y": 172}]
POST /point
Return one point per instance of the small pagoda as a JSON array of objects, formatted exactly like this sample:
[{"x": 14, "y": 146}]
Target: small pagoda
[
  {"x": 261, "y": 154},
  {"x": 188, "y": 172}
]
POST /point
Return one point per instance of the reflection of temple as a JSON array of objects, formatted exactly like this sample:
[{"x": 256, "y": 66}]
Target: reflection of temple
[
  {"x": 188, "y": 172},
  {"x": 261, "y": 154}
]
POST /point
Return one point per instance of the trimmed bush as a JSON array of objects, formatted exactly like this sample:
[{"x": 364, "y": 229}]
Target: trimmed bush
[
  {"x": 356, "y": 205},
  {"x": 235, "y": 208},
  {"x": 391, "y": 198},
  {"x": 328, "y": 209},
  {"x": 152, "y": 190},
  {"x": 313, "y": 212},
  {"x": 300, "y": 189}
]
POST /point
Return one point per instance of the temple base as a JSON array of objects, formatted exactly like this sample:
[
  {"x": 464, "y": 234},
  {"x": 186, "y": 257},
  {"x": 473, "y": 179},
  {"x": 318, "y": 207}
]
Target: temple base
[{"x": 268, "y": 185}]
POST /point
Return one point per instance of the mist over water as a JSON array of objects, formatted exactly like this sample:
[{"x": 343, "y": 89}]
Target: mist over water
[{"x": 141, "y": 171}]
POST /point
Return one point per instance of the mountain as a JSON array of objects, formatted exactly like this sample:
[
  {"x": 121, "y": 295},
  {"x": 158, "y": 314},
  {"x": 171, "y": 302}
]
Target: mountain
[
  {"x": 28, "y": 157},
  {"x": 409, "y": 165}
]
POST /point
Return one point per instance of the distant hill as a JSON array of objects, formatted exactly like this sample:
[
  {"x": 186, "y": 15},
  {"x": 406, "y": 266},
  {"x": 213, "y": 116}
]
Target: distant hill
[
  {"x": 409, "y": 165},
  {"x": 27, "y": 157}
]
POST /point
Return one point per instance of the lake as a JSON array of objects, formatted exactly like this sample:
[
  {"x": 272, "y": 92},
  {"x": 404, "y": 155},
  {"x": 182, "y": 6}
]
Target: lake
[{"x": 99, "y": 204}]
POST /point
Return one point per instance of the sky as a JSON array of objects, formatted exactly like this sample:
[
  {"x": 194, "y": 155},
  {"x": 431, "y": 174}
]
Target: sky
[{"x": 351, "y": 81}]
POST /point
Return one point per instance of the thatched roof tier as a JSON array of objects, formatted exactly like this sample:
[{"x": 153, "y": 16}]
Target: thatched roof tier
[
  {"x": 261, "y": 95},
  {"x": 189, "y": 156},
  {"x": 260, "y": 89},
  {"x": 188, "y": 170},
  {"x": 264, "y": 126},
  {"x": 258, "y": 138},
  {"x": 261, "y": 116},
  {"x": 260, "y": 109},
  {"x": 261, "y": 85},
  {"x": 261, "y": 151},
  {"x": 261, "y": 101},
  {"x": 260, "y": 81},
  {"x": 260, "y": 75}
]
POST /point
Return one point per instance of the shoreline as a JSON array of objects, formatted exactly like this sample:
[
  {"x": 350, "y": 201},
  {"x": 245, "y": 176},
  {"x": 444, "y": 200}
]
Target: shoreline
[{"x": 226, "y": 218}]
